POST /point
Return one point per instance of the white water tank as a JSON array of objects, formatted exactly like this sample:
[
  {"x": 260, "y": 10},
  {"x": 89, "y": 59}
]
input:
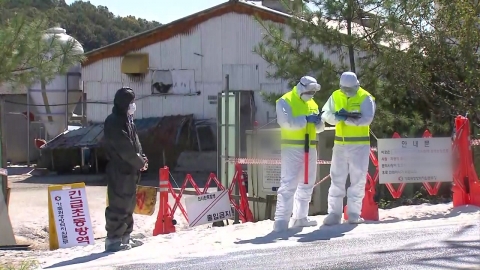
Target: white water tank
[{"x": 50, "y": 99}]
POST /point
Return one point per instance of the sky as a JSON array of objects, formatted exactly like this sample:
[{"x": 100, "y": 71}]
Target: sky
[{"x": 163, "y": 11}]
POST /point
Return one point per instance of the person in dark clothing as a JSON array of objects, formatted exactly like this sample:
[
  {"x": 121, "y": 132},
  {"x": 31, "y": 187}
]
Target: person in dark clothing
[{"x": 126, "y": 161}]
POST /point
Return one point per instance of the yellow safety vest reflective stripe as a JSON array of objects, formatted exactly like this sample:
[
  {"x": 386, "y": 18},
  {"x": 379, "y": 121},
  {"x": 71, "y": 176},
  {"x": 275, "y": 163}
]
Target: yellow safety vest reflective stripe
[
  {"x": 345, "y": 134},
  {"x": 296, "y": 138}
]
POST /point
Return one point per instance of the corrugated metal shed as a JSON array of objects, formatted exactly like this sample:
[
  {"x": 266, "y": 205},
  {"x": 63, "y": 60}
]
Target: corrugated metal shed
[
  {"x": 162, "y": 139},
  {"x": 82, "y": 137},
  {"x": 164, "y": 127}
]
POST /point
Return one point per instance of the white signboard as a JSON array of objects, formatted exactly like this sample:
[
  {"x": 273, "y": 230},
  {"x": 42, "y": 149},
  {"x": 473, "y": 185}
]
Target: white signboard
[
  {"x": 72, "y": 218},
  {"x": 415, "y": 160},
  {"x": 271, "y": 173},
  {"x": 208, "y": 208}
]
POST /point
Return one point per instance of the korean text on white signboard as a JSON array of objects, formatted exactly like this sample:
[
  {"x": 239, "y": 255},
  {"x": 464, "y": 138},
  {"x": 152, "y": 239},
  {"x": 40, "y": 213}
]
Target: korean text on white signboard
[
  {"x": 271, "y": 173},
  {"x": 72, "y": 218},
  {"x": 269, "y": 148},
  {"x": 208, "y": 208},
  {"x": 415, "y": 160}
]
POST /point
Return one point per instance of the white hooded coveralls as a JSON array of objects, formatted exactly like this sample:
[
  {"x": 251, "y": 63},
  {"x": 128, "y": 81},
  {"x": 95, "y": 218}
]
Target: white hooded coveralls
[
  {"x": 293, "y": 195},
  {"x": 349, "y": 159}
]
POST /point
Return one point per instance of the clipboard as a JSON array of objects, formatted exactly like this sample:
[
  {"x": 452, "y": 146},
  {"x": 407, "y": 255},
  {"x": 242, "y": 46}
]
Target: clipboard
[{"x": 355, "y": 115}]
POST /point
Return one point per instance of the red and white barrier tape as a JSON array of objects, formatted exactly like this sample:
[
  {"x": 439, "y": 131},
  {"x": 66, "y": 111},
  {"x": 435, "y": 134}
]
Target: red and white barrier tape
[
  {"x": 258, "y": 161},
  {"x": 475, "y": 142},
  {"x": 321, "y": 180}
]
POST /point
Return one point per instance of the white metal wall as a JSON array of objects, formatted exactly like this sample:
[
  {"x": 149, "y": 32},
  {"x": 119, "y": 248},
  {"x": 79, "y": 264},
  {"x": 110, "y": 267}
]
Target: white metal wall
[{"x": 219, "y": 46}]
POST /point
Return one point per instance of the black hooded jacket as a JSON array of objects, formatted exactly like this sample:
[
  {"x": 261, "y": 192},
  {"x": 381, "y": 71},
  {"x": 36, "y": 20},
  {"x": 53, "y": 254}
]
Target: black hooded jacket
[{"x": 120, "y": 136}]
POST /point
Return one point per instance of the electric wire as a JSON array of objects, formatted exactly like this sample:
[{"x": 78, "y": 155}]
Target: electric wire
[{"x": 74, "y": 103}]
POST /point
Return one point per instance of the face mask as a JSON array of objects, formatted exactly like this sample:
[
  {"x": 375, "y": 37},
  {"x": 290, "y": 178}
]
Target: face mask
[
  {"x": 132, "y": 108},
  {"x": 306, "y": 97},
  {"x": 349, "y": 91}
]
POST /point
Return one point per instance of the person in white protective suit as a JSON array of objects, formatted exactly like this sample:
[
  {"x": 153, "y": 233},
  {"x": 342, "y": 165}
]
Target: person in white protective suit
[
  {"x": 351, "y": 148},
  {"x": 297, "y": 115}
]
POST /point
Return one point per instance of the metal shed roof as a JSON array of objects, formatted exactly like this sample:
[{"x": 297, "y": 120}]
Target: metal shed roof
[{"x": 92, "y": 136}]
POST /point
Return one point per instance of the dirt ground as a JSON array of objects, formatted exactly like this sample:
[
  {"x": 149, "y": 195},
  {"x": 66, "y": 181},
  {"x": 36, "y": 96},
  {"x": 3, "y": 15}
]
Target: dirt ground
[
  {"x": 28, "y": 208},
  {"x": 28, "y": 205}
]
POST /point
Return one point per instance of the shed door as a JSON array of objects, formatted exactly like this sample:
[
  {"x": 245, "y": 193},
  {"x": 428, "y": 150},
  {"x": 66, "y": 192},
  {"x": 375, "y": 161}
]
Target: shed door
[{"x": 244, "y": 78}]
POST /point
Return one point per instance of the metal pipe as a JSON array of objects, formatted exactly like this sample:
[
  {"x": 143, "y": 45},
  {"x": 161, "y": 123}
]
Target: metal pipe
[
  {"x": 237, "y": 136},
  {"x": 82, "y": 155},
  {"x": 52, "y": 159},
  {"x": 198, "y": 139},
  {"x": 3, "y": 150},
  {"x": 66, "y": 101},
  {"x": 28, "y": 127},
  {"x": 40, "y": 137},
  {"x": 164, "y": 158},
  {"x": 3, "y": 133},
  {"x": 83, "y": 104},
  {"x": 219, "y": 138},
  {"x": 84, "y": 107},
  {"x": 96, "y": 160},
  {"x": 227, "y": 122}
]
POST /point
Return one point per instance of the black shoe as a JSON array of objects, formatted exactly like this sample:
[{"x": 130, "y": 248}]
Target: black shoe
[
  {"x": 128, "y": 240},
  {"x": 115, "y": 244}
]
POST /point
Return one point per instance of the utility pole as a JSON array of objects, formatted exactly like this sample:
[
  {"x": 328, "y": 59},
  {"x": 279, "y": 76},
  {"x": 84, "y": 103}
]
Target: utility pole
[{"x": 3, "y": 150}]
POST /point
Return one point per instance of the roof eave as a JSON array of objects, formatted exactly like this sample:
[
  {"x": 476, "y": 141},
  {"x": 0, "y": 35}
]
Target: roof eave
[{"x": 183, "y": 25}]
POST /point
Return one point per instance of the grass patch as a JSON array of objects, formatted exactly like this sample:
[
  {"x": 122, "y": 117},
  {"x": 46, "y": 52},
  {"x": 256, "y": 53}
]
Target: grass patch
[
  {"x": 25, "y": 265},
  {"x": 420, "y": 197}
]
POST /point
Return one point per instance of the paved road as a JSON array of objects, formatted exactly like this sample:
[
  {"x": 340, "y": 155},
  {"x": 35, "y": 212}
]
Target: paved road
[{"x": 440, "y": 247}]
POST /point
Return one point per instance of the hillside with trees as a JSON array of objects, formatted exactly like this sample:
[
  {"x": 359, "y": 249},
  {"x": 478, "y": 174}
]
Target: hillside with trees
[{"x": 93, "y": 26}]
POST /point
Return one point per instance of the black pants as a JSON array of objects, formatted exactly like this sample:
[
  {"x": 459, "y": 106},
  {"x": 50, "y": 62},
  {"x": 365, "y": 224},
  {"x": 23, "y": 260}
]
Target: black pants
[{"x": 121, "y": 192}]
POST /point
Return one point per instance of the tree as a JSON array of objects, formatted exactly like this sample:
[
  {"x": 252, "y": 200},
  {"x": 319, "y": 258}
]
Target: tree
[
  {"x": 93, "y": 26},
  {"x": 28, "y": 54},
  {"x": 440, "y": 70},
  {"x": 326, "y": 38},
  {"x": 457, "y": 40},
  {"x": 419, "y": 60}
]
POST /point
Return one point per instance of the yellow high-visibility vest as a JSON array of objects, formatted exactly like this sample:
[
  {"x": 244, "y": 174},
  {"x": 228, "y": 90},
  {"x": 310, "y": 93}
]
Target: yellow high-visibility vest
[
  {"x": 296, "y": 138},
  {"x": 345, "y": 134}
]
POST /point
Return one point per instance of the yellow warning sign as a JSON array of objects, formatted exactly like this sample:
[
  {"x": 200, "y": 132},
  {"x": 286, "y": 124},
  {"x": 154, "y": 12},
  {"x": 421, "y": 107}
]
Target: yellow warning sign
[{"x": 146, "y": 200}]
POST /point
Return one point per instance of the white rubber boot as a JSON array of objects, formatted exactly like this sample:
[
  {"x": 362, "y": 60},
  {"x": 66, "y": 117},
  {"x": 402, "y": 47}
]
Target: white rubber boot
[
  {"x": 280, "y": 225},
  {"x": 304, "y": 222},
  {"x": 355, "y": 219},
  {"x": 332, "y": 219}
]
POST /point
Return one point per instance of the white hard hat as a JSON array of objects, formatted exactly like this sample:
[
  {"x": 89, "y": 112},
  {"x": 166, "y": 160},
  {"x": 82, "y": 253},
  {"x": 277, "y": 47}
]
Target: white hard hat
[
  {"x": 307, "y": 84},
  {"x": 349, "y": 83},
  {"x": 349, "y": 79}
]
